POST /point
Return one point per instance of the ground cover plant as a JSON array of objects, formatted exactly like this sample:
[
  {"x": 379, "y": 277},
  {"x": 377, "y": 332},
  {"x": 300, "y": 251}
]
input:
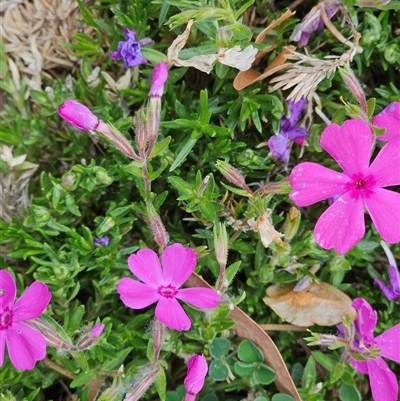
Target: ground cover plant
[{"x": 200, "y": 200}]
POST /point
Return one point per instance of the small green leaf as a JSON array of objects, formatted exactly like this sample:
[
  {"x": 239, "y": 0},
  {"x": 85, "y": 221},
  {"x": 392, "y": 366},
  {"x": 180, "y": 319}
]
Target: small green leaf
[
  {"x": 219, "y": 347},
  {"x": 309, "y": 374},
  {"x": 349, "y": 393},
  {"x": 264, "y": 375},
  {"x": 161, "y": 384},
  {"x": 160, "y": 146},
  {"x": 249, "y": 352},
  {"x": 282, "y": 397},
  {"x": 218, "y": 370},
  {"x": 244, "y": 368},
  {"x": 183, "y": 150}
]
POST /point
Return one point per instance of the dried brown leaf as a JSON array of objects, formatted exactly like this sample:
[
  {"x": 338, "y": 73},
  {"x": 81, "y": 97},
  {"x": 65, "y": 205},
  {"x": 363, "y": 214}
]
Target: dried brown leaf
[{"x": 320, "y": 304}]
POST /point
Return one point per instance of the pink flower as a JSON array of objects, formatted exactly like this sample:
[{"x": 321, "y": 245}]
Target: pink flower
[
  {"x": 383, "y": 381},
  {"x": 160, "y": 75},
  {"x": 196, "y": 373},
  {"x": 389, "y": 118},
  {"x": 25, "y": 344},
  {"x": 161, "y": 285},
  {"x": 360, "y": 185}
]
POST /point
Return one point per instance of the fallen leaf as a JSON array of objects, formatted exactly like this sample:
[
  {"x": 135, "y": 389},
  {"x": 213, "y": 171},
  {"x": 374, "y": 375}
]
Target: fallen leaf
[
  {"x": 246, "y": 78},
  {"x": 320, "y": 304},
  {"x": 238, "y": 58}
]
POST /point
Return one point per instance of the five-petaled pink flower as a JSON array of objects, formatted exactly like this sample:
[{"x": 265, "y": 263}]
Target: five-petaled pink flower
[
  {"x": 360, "y": 185},
  {"x": 25, "y": 344},
  {"x": 197, "y": 369},
  {"x": 383, "y": 381},
  {"x": 162, "y": 285}
]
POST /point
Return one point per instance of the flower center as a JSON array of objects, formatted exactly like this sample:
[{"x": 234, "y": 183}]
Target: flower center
[
  {"x": 167, "y": 291},
  {"x": 360, "y": 184},
  {"x": 5, "y": 319}
]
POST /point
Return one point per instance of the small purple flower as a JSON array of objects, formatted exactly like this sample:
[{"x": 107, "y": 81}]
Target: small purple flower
[
  {"x": 129, "y": 50},
  {"x": 393, "y": 291},
  {"x": 103, "y": 241},
  {"x": 279, "y": 144},
  {"x": 313, "y": 22}
]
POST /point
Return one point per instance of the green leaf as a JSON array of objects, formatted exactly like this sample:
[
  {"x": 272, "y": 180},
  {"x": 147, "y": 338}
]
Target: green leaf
[
  {"x": 282, "y": 397},
  {"x": 235, "y": 190},
  {"x": 183, "y": 150},
  {"x": 264, "y": 375},
  {"x": 325, "y": 360},
  {"x": 218, "y": 370},
  {"x": 249, "y": 352},
  {"x": 244, "y": 368},
  {"x": 81, "y": 360},
  {"x": 349, "y": 393},
  {"x": 161, "y": 384},
  {"x": 309, "y": 374},
  {"x": 82, "y": 379},
  {"x": 219, "y": 347},
  {"x": 160, "y": 146}
]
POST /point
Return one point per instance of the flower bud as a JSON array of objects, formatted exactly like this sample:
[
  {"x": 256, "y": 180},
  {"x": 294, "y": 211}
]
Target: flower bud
[
  {"x": 221, "y": 243},
  {"x": 89, "y": 337},
  {"x": 147, "y": 377},
  {"x": 354, "y": 86},
  {"x": 103, "y": 241},
  {"x": 161, "y": 236},
  {"x": 232, "y": 174},
  {"x": 292, "y": 223},
  {"x": 78, "y": 115},
  {"x": 160, "y": 75},
  {"x": 196, "y": 373},
  {"x": 51, "y": 335},
  {"x": 107, "y": 224}
]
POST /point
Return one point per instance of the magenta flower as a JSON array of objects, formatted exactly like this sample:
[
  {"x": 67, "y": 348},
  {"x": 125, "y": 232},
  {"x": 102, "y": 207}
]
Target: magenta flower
[
  {"x": 161, "y": 284},
  {"x": 279, "y": 144},
  {"x": 389, "y": 118},
  {"x": 129, "y": 50},
  {"x": 25, "y": 344},
  {"x": 392, "y": 292},
  {"x": 342, "y": 225},
  {"x": 383, "y": 381},
  {"x": 160, "y": 75},
  {"x": 312, "y": 22},
  {"x": 197, "y": 369}
]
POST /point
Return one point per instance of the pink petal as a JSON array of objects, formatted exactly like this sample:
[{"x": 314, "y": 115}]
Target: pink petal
[
  {"x": 2, "y": 346},
  {"x": 366, "y": 320},
  {"x": 171, "y": 313},
  {"x": 32, "y": 302},
  {"x": 389, "y": 118},
  {"x": 383, "y": 381},
  {"x": 312, "y": 183},
  {"x": 136, "y": 295},
  {"x": 203, "y": 298},
  {"x": 25, "y": 346},
  {"x": 383, "y": 206},
  {"x": 341, "y": 226},
  {"x": 178, "y": 264},
  {"x": 145, "y": 265},
  {"x": 350, "y": 145},
  {"x": 385, "y": 169},
  {"x": 360, "y": 366},
  {"x": 8, "y": 290},
  {"x": 389, "y": 343}
]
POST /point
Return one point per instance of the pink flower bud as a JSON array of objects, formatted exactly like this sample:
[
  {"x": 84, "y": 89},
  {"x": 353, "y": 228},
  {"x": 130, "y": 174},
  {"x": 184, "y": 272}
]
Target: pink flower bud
[
  {"x": 232, "y": 174},
  {"x": 78, "y": 115},
  {"x": 97, "y": 330},
  {"x": 160, "y": 75},
  {"x": 89, "y": 336},
  {"x": 196, "y": 373},
  {"x": 140, "y": 386}
]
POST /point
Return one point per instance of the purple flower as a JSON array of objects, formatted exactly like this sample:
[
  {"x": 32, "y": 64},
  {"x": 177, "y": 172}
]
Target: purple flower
[
  {"x": 313, "y": 22},
  {"x": 103, "y": 241},
  {"x": 392, "y": 292},
  {"x": 383, "y": 381},
  {"x": 197, "y": 369},
  {"x": 78, "y": 115},
  {"x": 161, "y": 284},
  {"x": 25, "y": 344},
  {"x": 129, "y": 50},
  {"x": 360, "y": 186},
  {"x": 279, "y": 144},
  {"x": 160, "y": 75},
  {"x": 389, "y": 118}
]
